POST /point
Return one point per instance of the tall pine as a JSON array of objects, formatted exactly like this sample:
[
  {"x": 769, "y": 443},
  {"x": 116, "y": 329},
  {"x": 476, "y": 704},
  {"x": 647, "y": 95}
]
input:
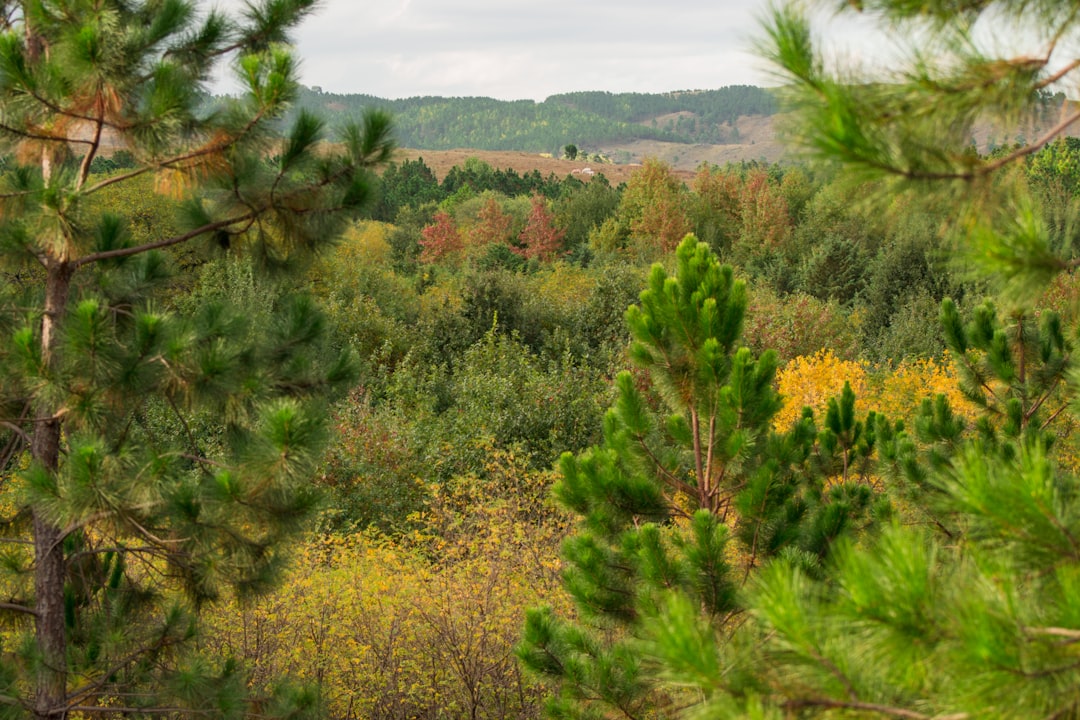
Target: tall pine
[
  {"x": 690, "y": 492},
  {"x": 128, "y": 518},
  {"x": 966, "y": 605}
]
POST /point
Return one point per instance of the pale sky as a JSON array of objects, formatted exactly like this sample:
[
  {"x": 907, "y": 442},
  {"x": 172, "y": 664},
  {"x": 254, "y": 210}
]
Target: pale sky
[{"x": 528, "y": 49}]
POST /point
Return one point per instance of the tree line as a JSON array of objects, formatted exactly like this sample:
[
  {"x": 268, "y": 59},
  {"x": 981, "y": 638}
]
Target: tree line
[{"x": 587, "y": 119}]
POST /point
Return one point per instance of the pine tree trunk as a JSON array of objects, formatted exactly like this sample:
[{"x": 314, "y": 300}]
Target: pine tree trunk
[{"x": 51, "y": 696}]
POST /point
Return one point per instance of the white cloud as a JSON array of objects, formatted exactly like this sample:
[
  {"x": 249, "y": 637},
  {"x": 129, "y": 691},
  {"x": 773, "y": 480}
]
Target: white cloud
[
  {"x": 526, "y": 49},
  {"x": 514, "y": 49}
]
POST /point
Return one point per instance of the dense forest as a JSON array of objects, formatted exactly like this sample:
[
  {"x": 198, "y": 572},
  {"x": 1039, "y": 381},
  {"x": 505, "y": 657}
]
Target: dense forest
[
  {"x": 290, "y": 427},
  {"x": 487, "y": 312},
  {"x": 586, "y": 119}
]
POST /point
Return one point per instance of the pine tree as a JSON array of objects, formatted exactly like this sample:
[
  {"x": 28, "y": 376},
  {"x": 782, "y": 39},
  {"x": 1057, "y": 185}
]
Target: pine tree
[
  {"x": 689, "y": 458},
  {"x": 966, "y": 607},
  {"x": 128, "y": 519}
]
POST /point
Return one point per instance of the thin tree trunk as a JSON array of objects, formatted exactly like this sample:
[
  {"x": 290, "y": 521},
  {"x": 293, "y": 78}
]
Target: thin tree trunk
[{"x": 51, "y": 696}]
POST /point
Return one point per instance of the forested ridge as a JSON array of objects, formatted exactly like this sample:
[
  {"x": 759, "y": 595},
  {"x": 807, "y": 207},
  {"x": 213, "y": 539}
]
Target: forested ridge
[{"x": 587, "y": 118}]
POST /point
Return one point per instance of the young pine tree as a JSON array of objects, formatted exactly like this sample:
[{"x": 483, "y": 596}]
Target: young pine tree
[
  {"x": 125, "y": 518},
  {"x": 690, "y": 492},
  {"x": 971, "y": 610}
]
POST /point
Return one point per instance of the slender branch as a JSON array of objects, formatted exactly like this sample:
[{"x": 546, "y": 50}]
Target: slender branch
[
  {"x": 167, "y": 242},
  {"x": 868, "y": 707},
  {"x": 1053, "y": 416},
  {"x": 1058, "y": 75},
  {"x": 203, "y": 461},
  {"x": 105, "y": 676},
  {"x": 18, "y": 132},
  {"x": 19, "y": 194},
  {"x": 674, "y": 482},
  {"x": 179, "y": 159},
  {"x": 15, "y": 607},
  {"x": 16, "y": 429},
  {"x": 113, "y": 709},
  {"x": 699, "y": 461},
  {"x": 88, "y": 159},
  {"x": 1039, "y": 403},
  {"x": 1030, "y": 149},
  {"x": 836, "y": 673},
  {"x": 184, "y": 424},
  {"x": 712, "y": 449},
  {"x": 1067, "y": 633},
  {"x": 102, "y": 184},
  {"x": 139, "y": 550},
  {"x": 981, "y": 170}
]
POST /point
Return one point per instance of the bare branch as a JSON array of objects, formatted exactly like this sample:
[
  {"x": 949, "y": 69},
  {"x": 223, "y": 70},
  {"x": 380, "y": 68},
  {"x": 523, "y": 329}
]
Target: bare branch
[
  {"x": 16, "y": 429},
  {"x": 1058, "y": 75},
  {"x": 1066, "y": 633},
  {"x": 15, "y": 607}
]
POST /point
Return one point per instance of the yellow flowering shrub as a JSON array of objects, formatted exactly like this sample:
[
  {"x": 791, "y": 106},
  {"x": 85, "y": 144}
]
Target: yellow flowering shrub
[
  {"x": 563, "y": 286},
  {"x": 811, "y": 380},
  {"x": 897, "y": 393},
  {"x": 421, "y": 626}
]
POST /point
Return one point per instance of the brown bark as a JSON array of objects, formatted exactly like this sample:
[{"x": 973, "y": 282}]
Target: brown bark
[{"x": 51, "y": 696}]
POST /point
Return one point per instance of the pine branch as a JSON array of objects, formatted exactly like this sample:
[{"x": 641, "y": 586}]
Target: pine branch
[
  {"x": 670, "y": 479},
  {"x": 17, "y": 430},
  {"x": 88, "y": 158},
  {"x": 19, "y": 132},
  {"x": 170, "y": 163},
  {"x": 15, "y": 607},
  {"x": 106, "y": 676},
  {"x": 1047, "y": 82},
  {"x": 168, "y": 242},
  {"x": 868, "y": 707},
  {"x": 1072, "y": 636}
]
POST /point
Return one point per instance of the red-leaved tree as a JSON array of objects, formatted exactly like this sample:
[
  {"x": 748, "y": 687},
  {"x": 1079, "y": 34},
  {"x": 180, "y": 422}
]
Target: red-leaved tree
[
  {"x": 440, "y": 239},
  {"x": 540, "y": 238},
  {"x": 492, "y": 225}
]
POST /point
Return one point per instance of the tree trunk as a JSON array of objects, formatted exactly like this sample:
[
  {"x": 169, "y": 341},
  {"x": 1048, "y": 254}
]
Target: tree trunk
[{"x": 49, "y": 575}]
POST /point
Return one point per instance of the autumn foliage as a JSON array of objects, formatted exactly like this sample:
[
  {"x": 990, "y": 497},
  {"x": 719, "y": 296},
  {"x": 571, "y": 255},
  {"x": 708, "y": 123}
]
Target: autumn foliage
[
  {"x": 441, "y": 239},
  {"x": 540, "y": 238},
  {"x": 492, "y": 225},
  {"x": 655, "y": 202}
]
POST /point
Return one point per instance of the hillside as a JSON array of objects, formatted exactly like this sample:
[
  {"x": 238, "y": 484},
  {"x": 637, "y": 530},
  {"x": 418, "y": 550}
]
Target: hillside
[{"x": 684, "y": 127}]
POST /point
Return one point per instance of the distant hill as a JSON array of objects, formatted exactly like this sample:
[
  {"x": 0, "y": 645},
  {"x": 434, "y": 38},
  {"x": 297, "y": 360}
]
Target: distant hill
[{"x": 593, "y": 121}]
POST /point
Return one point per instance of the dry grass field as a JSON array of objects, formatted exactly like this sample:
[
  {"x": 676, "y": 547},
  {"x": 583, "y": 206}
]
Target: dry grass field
[
  {"x": 440, "y": 161},
  {"x": 757, "y": 137}
]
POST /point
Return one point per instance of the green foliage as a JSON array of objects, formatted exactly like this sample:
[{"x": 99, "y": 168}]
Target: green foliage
[
  {"x": 438, "y": 123},
  {"x": 162, "y": 444},
  {"x": 412, "y": 184},
  {"x": 687, "y": 456},
  {"x": 654, "y": 209},
  {"x": 584, "y": 208},
  {"x": 966, "y": 611}
]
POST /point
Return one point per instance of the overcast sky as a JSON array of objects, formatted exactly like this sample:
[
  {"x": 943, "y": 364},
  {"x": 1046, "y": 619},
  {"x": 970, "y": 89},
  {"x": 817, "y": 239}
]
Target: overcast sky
[
  {"x": 515, "y": 49},
  {"x": 530, "y": 49}
]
